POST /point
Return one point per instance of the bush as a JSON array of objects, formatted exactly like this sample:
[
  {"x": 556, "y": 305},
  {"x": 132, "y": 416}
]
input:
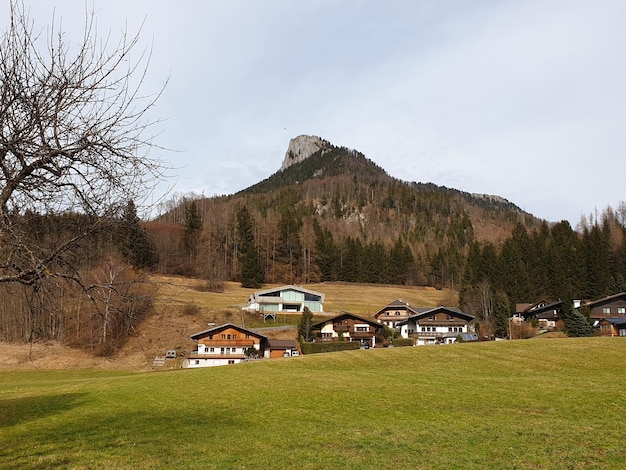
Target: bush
[
  {"x": 400, "y": 342},
  {"x": 191, "y": 309}
]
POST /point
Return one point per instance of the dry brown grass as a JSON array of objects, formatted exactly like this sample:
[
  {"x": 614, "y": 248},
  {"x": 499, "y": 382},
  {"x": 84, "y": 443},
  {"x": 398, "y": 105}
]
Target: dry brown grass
[{"x": 362, "y": 299}]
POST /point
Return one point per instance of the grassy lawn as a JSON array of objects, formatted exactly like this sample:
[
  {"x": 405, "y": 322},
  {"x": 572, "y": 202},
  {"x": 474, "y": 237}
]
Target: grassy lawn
[{"x": 543, "y": 403}]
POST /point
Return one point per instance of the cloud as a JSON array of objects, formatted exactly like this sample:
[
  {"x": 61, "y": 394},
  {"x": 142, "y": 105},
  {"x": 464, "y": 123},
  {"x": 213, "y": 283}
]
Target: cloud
[{"x": 523, "y": 99}]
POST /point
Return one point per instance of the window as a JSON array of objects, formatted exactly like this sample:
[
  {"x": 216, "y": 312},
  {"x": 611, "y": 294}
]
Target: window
[
  {"x": 449, "y": 317},
  {"x": 361, "y": 328},
  {"x": 432, "y": 317},
  {"x": 621, "y": 310},
  {"x": 606, "y": 310},
  {"x": 234, "y": 336},
  {"x": 247, "y": 336},
  {"x": 231, "y": 361},
  {"x": 450, "y": 329},
  {"x": 210, "y": 336},
  {"x": 398, "y": 313},
  {"x": 223, "y": 336},
  {"x": 227, "y": 336},
  {"x": 212, "y": 350},
  {"x": 423, "y": 328},
  {"x": 197, "y": 361},
  {"x": 233, "y": 350},
  {"x": 221, "y": 350}
]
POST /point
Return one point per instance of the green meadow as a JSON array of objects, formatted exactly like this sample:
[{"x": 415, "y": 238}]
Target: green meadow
[{"x": 536, "y": 404}]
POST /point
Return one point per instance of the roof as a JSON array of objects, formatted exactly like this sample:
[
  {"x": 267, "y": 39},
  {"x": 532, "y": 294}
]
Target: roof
[
  {"x": 396, "y": 304},
  {"x": 281, "y": 343},
  {"x": 543, "y": 307},
  {"x": 217, "y": 329},
  {"x": 616, "y": 321},
  {"x": 289, "y": 287},
  {"x": 526, "y": 307},
  {"x": 469, "y": 336},
  {"x": 621, "y": 295},
  {"x": 426, "y": 312},
  {"x": 347, "y": 315}
]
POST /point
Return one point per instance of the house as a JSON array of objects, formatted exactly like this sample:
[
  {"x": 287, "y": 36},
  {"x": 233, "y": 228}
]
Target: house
[
  {"x": 347, "y": 327},
  {"x": 222, "y": 345},
  {"x": 613, "y": 306},
  {"x": 438, "y": 325},
  {"x": 549, "y": 315},
  {"x": 395, "y": 312},
  {"x": 280, "y": 348},
  {"x": 286, "y": 299},
  {"x": 612, "y": 326}
]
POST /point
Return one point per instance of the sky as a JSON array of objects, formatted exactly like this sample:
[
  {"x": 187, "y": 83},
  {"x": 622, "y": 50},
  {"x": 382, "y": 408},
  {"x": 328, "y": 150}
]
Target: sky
[{"x": 524, "y": 99}]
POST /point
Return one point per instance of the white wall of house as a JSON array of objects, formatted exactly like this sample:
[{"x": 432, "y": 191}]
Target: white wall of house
[{"x": 211, "y": 362}]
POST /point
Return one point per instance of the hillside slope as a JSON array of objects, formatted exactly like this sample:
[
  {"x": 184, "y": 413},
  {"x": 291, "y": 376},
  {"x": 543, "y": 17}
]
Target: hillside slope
[{"x": 184, "y": 307}]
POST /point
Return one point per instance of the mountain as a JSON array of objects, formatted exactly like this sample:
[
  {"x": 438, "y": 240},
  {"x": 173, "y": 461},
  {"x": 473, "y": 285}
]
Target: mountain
[{"x": 330, "y": 213}]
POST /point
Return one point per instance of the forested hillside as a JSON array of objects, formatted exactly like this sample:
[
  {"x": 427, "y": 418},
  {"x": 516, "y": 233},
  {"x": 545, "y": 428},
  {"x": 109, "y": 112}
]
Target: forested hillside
[{"x": 334, "y": 216}]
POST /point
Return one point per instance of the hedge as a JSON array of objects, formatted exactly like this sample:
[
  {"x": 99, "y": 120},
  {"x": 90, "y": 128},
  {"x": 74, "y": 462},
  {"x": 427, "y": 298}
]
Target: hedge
[
  {"x": 314, "y": 348},
  {"x": 399, "y": 342}
]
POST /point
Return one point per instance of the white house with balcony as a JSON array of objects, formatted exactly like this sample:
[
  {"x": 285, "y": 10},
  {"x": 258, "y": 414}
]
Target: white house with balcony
[
  {"x": 224, "y": 345},
  {"x": 286, "y": 299},
  {"x": 438, "y": 325}
]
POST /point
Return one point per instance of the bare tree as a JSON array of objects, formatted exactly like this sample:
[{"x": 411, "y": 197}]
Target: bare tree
[{"x": 75, "y": 136}]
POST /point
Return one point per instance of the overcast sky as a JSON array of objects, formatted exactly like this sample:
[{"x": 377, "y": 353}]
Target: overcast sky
[{"x": 524, "y": 99}]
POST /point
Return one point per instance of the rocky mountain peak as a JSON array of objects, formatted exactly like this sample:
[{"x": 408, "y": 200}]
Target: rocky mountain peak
[{"x": 302, "y": 147}]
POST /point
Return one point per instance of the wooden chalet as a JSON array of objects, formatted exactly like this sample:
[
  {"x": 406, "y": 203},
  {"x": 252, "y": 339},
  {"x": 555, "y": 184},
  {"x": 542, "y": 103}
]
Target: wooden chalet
[
  {"x": 393, "y": 313},
  {"x": 548, "y": 315},
  {"x": 347, "y": 327},
  {"x": 223, "y": 345},
  {"x": 613, "y": 306}
]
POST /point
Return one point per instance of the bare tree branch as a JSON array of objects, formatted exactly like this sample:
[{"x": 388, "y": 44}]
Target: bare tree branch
[{"x": 75, "y": 136}]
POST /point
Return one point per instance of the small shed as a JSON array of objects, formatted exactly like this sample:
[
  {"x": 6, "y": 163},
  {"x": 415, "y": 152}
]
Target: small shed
[{"x": 280, "y": 348}]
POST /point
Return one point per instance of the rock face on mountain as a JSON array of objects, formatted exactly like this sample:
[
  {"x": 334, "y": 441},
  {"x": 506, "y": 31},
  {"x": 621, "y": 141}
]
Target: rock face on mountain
[{"x": 302, "y": 147}]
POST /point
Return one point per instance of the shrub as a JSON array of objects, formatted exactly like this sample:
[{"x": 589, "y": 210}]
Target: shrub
[{"x": 191, "y": 309}]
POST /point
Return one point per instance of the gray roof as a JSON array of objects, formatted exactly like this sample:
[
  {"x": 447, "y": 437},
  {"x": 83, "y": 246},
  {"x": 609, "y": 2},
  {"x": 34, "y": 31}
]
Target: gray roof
[{"x": 427, "y": 311}]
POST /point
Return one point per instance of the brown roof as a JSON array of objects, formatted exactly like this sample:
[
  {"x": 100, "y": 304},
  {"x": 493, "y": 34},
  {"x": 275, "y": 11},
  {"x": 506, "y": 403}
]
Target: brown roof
[{"x": 281, "y": 343}]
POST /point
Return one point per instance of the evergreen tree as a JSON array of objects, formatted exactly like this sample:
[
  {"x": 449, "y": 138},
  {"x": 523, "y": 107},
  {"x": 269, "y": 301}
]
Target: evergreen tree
[
  {"x": 576, "y": 324},
  {"x": 193, "y": 228},
  {"x": 304, "y": 324},
  {"x": 135, "y": 244},
  {"x": 252, "y": 274},
  {"x": 596, "y": 249},
  {"x": 326, "y": 253},
  {"x": 289, "y": 248},
  {"x": 501, "y": 314}
]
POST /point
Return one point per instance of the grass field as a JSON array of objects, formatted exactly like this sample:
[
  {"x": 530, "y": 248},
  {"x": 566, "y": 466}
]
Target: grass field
[{"x": 542, "y": 403}]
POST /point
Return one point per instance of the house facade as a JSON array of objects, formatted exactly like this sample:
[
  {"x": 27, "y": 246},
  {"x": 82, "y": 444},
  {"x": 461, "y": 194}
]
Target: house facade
[
  {"x": 439, "y": 325},
  {"x": 347, "y": 327},
  {"x": 548, "y": 315},
  {"x": 393, "y": 313},
  {"x": 223, "y": 345},
  {"x": 281, "y": 348},
  {"x": 612, "y": 326},
  {"x": 286, "y": 299},
  {"x": 613, "y": 306}
]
